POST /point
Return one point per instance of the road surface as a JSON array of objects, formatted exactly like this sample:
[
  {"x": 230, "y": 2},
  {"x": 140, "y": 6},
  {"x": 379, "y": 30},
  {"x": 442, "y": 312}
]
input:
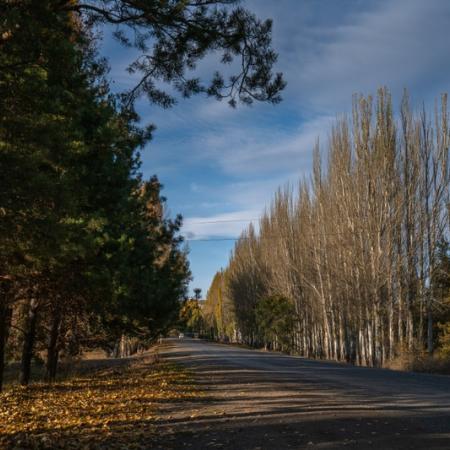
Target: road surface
[{"x": 258, "y": 400}]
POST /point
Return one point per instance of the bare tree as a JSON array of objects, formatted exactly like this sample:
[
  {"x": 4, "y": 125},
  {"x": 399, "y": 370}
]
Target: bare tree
[{"x": 355, "y": 247}]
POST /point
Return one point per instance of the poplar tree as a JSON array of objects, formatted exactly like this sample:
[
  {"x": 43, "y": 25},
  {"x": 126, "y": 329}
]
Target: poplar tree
[{"x": 359, "y": 249}]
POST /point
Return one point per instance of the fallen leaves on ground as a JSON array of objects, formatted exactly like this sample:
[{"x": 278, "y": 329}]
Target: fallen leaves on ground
[{"x": 110, "y": 409}]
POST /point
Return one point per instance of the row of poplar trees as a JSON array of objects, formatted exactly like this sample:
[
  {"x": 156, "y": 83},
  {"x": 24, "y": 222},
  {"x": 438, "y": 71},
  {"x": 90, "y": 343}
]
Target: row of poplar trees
[
  {"x": 86, "y": 251},
  {"x": 359, "y": 252}
]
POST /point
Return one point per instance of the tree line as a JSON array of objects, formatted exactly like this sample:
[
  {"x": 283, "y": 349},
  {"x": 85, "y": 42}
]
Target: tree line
[
  {"x": 88, "y": 255},
  {"x": 354, "y": 263}
]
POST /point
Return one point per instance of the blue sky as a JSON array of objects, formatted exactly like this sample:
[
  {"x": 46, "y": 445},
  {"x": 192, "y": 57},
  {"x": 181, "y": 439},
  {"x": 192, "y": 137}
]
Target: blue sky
[{"x": 220, "y": 167}]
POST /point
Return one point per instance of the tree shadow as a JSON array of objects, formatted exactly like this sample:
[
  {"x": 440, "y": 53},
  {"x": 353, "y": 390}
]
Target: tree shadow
[{"x": 248, "y": 400}]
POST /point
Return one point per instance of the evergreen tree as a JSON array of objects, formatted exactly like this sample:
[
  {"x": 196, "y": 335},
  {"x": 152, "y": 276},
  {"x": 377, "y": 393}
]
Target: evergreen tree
[{"x": 87, "y": 255}]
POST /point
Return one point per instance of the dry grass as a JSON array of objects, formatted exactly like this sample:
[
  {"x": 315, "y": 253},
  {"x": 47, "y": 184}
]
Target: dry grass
[{"x": 420, "y": 362}]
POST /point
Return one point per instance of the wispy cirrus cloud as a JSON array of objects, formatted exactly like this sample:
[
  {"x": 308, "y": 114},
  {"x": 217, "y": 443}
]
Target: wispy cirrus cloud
[
  {"x": 369, "y": 44},
  {"x": 255, "y": 151},
  {"x": 227, "y": 225}
]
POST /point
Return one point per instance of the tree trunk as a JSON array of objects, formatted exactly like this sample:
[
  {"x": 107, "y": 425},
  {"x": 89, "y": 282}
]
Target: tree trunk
[
  {"x": 5, "y": 319},
  {"x": 2, "y": 342},
  {"x": 28, "y": 342},
  {"x": 429, "y": 329},
  {"x": 52, "y": 349}
]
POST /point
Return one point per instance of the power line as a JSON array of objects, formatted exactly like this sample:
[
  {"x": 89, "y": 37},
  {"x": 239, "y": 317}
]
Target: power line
[
  {"x": 274, "y": 237},
  {"x": 212, "y": 239},
  {"x": 219, "y": 221}
]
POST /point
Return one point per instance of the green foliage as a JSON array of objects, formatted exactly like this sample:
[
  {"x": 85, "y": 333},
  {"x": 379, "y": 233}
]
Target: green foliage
[
  {"x": 172, "y": 37},
  {"x": 275, "y": 320},
  {"x": 191, "y": 317},
  {"x": 441, "y": 294},
  {"x": 218, "y": 312},
  {"x": 86, "y": 254},
  {"x": 444, "y": 339},
  {"x": 246, "y": 285}
]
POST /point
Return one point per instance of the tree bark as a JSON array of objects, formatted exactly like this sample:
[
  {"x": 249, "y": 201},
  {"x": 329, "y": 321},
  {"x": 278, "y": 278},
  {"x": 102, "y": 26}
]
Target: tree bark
[
  {"x": 430, "y": 343},
  {"x": 28, "y": 343},
  {"x": 5, "y": 319},
  {"x": 52, "y": 349}
]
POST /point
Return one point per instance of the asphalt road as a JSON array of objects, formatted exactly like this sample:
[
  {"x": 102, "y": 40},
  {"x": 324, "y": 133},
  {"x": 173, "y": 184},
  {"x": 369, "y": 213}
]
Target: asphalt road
[{"x": 258, "y": 400}]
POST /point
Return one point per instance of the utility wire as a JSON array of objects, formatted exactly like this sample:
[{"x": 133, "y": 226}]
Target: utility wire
[
  {"x": 211, "y": 239},
  {"x": 219, "y": 221},
  {"x": 186, "y": 239}
]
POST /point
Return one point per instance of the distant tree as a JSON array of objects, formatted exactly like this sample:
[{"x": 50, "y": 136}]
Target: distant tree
[
  {"x": 197, "y": 294},
  {"x": 218, "y": 311},
  {"x": 441, "y": 295},
  {"x": 191, "y": 317},
  {"x": 275, "y": 317}
]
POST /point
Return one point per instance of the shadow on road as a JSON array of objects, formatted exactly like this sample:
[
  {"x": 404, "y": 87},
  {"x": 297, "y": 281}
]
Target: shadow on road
[{"x": 257, "y": 400}]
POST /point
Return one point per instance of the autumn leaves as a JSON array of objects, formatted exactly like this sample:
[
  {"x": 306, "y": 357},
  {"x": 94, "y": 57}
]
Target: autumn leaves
[{"x": 111, "y": 408}]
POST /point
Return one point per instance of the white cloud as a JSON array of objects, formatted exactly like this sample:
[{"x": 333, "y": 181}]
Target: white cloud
[
  {"x": 194, "y": 187},
  {"x": 227, "y": 225},
  {"x": 395, "y": 43},
  {"x": 257, "y": 194},
  {"x": 218, "y": 110},
  {"x": 253, "y": 150},
  {"x": 249, "y": 199}
]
